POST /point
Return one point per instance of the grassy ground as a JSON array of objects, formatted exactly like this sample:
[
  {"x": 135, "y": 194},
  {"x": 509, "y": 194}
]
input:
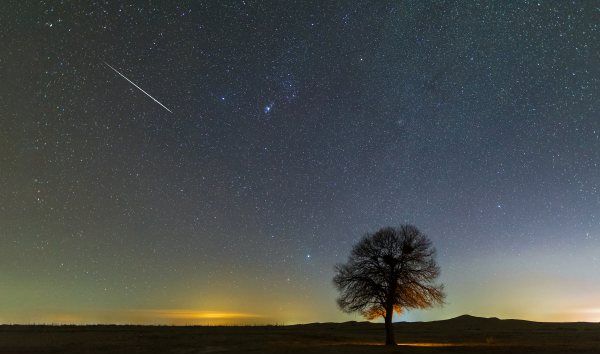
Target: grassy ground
[{"x": 460, "y": 335}]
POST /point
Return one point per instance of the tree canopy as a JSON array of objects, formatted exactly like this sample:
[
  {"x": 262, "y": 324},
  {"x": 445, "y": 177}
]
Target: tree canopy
[{"x": 390, "y": 270}]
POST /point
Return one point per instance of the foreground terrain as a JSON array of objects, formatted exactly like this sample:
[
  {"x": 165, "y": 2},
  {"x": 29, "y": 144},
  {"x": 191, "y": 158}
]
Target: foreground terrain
[{"x": 464, "y": 334}]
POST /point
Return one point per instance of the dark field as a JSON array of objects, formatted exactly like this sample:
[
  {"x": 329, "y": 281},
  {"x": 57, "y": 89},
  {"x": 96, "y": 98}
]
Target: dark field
[{"x": 464, "y": 334}]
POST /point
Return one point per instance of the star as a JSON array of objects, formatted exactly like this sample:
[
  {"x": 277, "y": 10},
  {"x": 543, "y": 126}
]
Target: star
[{"x": 268, "y": 107}]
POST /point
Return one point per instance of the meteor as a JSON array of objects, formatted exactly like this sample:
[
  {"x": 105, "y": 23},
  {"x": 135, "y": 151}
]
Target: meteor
[{"x": 139, "y": 88}]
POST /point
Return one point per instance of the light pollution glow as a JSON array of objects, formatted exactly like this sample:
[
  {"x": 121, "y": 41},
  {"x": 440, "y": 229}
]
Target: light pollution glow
[
  {"x": 497, "y": 285},
  {"x": 146, "y": 317}
]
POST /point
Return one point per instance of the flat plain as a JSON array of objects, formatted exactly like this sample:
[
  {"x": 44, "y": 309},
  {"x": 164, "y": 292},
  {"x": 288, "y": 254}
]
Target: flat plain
[{"x": 464, "y": 334}]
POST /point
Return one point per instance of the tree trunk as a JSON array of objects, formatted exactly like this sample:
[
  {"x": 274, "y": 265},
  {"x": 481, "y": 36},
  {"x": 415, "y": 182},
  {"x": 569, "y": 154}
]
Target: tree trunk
[{"x": 389, "y": 328}]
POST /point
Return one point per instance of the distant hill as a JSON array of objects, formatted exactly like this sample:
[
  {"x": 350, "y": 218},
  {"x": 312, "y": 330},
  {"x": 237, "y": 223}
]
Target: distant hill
[{"x": 463, "y": 322}]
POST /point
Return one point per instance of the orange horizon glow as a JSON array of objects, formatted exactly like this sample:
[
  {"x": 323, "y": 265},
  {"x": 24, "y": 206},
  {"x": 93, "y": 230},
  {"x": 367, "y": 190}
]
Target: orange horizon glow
[
  {"x": 194, "y": 314},
  {"x": 183, "y": 317},
  {"x": 143, "y": 317}
]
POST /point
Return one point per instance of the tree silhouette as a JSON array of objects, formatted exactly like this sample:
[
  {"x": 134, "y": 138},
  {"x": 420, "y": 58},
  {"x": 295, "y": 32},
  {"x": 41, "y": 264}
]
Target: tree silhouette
[{"x": 390, "y": 270}]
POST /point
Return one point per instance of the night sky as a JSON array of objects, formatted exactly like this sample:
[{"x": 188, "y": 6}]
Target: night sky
[{"x": 296, "y": 127}]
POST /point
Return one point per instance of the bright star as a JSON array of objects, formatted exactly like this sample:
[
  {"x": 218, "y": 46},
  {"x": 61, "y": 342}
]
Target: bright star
[{"x": 268, "y": 107}]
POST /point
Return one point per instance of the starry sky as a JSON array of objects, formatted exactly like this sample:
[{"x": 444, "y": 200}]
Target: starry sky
[{"x": 285, "y": 131}]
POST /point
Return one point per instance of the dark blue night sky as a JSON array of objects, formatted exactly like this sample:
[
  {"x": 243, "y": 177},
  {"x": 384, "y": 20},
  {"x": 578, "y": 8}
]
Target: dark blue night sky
[{"x": 296, "y": 127}]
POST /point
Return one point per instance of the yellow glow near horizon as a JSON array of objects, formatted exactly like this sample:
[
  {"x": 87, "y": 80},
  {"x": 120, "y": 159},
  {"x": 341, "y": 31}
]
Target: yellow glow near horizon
[
  {"x": 192, "y": 314},
  {"x": 525, "y": 294},
  {"x": 141, "y": 316},
  {"x": 431, "y": 344}
]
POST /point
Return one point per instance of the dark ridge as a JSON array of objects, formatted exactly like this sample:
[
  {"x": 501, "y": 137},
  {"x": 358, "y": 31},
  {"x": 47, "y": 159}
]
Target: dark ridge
[{"x": 467, "y": 318}]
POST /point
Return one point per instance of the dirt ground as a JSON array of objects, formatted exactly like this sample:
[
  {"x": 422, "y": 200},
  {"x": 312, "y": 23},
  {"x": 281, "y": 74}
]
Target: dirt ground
[{"x": 464, "y": 334}]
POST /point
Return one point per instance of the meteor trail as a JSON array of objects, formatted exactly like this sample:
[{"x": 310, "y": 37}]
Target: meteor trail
[{"x": 131, "y": 82}]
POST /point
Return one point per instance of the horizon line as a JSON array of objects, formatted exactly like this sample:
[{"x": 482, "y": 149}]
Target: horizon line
[{"x": 283, "y": 324}]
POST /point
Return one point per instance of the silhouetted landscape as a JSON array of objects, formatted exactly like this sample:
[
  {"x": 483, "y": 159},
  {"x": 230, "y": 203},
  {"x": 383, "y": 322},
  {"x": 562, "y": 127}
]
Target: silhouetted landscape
[{"x": 464, "y": 334}]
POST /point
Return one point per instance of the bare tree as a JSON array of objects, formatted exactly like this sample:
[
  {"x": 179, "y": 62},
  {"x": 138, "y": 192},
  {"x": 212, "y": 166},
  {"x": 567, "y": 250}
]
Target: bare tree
[{"x": 390, "y": 270}]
